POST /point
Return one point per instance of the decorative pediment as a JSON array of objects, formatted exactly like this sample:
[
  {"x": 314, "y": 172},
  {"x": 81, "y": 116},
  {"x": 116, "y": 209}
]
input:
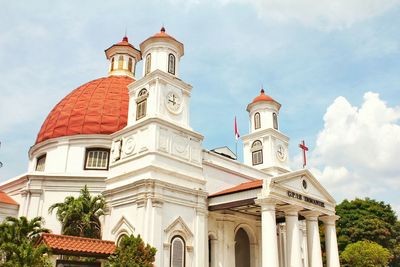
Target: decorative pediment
[
  {"x": 302, "y": 184},
  {"x": 123, "y": 225},
  {"x": 179, "y": 227}
]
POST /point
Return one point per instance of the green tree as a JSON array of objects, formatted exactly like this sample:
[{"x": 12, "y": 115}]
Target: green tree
[
  {"x": 132, "y": 252},
  {"x": 80, "y": 216},
  {"x": 17, "y": 243},
  {"x": 368, "y": 219},
  {"x": 17, "y": 230},
  {"x": 365, "y": 254}
]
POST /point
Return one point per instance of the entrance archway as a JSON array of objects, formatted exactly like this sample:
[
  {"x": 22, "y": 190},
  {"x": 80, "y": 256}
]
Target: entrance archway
[{"x": 242, "y": 249}]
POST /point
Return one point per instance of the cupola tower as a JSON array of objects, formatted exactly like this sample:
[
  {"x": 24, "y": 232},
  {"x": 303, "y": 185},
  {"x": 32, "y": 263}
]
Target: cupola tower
[
  {"x": 265, "y": 147},
  {"x": 123, "y": 58},
  {"x": 161, "y": 51}
]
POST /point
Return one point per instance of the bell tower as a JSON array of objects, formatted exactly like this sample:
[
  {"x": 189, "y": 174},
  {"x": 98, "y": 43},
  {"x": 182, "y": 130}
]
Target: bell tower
[{"x": 265, "y": 147}]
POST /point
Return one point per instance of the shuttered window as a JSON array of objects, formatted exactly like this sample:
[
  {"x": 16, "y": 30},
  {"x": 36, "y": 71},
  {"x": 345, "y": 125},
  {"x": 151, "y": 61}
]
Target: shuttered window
[
  {"x": 177, "y": 252},
  {"x": 257, "y": 154},
  {"x": 97, "y": 159},
  {"x": 41, "y": 163},
  {"x": 257, "y": 121},
  {"x": 141, "y": 103}
]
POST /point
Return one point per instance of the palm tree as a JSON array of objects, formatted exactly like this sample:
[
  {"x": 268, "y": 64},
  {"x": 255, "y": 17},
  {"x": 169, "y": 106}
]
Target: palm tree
[
  {"x": 17, "y": 230},
  {"x": 80, "y": 216},
  {"x": 18, "y": 237}
]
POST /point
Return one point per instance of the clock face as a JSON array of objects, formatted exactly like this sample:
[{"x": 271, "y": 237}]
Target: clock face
[
  {"x": 281, "y": 153},
  {"x": 173, "y": 102}
]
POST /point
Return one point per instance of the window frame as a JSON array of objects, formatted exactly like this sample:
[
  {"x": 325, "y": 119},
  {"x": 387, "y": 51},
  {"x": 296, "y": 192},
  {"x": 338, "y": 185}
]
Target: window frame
[
  {"x": 121, "y": 62},
  {"x": 183, "y": 250},
  {"x": 38, "y": 159},
  {"x": 257, "y": 120},
  {"x": 171, "y": 66},
  {"x": 141, "y": 104},
  {"x": 112, "y": 64},
  {"x": 130, "y": 64},
  {"x": 90, "y": 149},
  {"x": 275, "y": 121},
  {"x": 148, "y": 64},
  {"x": 257, "y": 153}
]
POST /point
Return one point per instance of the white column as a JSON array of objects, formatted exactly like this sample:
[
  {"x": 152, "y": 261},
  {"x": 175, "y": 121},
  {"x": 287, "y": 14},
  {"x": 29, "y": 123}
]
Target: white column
[
  {"x": 269, "y": 257},
  {"x": 293, "y": 236},
  {"x": 313, "y": 239},
  {"x": 332, "y": 253}
]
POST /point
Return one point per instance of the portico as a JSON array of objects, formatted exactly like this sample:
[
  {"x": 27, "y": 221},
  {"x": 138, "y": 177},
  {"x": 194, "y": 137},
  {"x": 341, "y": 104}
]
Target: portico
[{"x": 282, "y": 213}]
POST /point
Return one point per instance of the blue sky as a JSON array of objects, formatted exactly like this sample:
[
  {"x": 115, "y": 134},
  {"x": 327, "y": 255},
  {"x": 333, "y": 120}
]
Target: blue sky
[{"x": 319, "y": 59}]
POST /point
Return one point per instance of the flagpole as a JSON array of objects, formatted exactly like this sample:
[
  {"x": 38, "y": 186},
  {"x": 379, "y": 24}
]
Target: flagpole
[{"x": 236, "y": 148}]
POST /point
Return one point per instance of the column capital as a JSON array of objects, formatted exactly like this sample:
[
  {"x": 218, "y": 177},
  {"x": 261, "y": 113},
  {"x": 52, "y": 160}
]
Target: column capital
[
  {"x": 329, "y": 219},
  {"x": 311, "y": 215},
  {"x": 291, "y": 210},
  {"x": 266, "y": 203}
]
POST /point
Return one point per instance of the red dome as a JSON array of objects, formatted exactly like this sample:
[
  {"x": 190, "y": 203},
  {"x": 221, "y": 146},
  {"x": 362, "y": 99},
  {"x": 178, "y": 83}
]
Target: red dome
[
  {"x": 97, "y": 107},
  {"x": 262, "y": 97}
]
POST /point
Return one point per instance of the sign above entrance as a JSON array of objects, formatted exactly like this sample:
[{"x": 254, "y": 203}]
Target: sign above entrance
[{"x": 305, "y": 198}]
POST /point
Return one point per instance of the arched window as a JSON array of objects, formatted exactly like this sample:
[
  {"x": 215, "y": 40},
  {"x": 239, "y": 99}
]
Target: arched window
[
  {"x": 257, "y": 153},
  {"x": 97, "y": 158},
  {"x": 275, "y": 120},
  {"x": 120, "y": 238},
  {"x": 112, "y": 64},
  {"x": 148, "y": 64},
  {"x": 171, "y": 64},
  {"x": 130, "y": 64},
  {"x": 257, "y": 121},
  {"x": 40, "y": 163},
  {"x": 141, "y": 104},
  {"x": 177, "y": 252},
  {"x": 120, "y": 62}
]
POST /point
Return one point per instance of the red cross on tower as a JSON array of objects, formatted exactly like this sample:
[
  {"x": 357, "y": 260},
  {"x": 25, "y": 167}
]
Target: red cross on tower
[{"x": 303, "y": 147}]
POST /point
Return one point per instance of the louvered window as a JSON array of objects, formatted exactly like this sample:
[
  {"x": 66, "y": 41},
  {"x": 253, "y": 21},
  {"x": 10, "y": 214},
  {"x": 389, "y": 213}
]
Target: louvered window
[
  {"x": 257, "y": 121},
  {"x": 97, "y": 159},
  {"x": 41, "y": 163},
  {"x": 177, "y": 252},
  {"x": 257, "y": 154},
  {"x": 130, "y": 64},
  {"x": 148, "y": 64},
  {"x": 275, "y": 120},
  {"x": 141, "y": 103},
  {"x": 171, "y": 63}
]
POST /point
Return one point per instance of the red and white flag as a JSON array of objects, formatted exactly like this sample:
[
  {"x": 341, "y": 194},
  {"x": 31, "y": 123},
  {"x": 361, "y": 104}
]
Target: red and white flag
[{"x": 237, "y": 135}]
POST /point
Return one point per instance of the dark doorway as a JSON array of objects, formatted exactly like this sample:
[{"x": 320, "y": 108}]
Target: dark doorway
[{"x": 242, "y": 249}]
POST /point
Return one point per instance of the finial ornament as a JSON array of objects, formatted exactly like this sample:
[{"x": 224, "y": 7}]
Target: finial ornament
[
  {"x": 162, "y": 29},
  {"x": 262, "y": 90}
]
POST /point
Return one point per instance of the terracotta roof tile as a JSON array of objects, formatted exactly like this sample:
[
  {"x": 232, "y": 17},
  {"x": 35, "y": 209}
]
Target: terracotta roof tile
[
  {"x": 239, "y": 188},
  {"x": 97, "y": 107},
  {"x": 4, "y": 198},
  {"x": 73, "y": 245}
]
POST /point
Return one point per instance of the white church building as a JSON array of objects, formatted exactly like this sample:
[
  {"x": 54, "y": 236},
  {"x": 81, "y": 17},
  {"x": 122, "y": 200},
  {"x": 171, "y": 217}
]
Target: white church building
[{"x": 128, "y": 136}]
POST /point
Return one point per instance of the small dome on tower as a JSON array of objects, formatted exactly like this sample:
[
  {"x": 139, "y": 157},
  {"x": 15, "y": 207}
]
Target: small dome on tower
[
  {"x": 123, "y": 57},
  {"x": 263, "y": 98},
  {"x": 162, "y": 36}
]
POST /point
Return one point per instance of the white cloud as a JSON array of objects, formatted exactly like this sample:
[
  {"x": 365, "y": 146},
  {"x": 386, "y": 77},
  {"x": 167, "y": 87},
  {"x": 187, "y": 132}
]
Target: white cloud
[
  {"x": 358, "y": 150},
  {"x": 321, "y": 14}
]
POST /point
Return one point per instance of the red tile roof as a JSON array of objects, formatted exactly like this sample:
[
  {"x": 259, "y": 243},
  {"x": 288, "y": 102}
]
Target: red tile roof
[
  {"x": 239, "y": 188},
  {"x": 73, "y": 245},
  {"x": 4, "y": 198},
  {"x": 97, "y": 107}
]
